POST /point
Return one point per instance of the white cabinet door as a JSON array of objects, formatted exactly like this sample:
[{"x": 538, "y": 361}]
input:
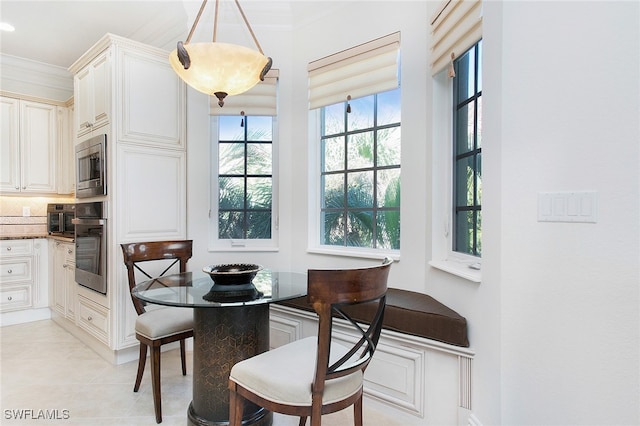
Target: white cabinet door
[
  {"x": 38, "y": 144},
  {"x": 91, "y": 97},
  {"x": 29, "y": 147},
  {"x": 10, "y": 146}
]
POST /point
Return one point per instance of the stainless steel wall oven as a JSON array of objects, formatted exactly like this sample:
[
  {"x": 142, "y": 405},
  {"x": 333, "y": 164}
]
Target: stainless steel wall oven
[{"x": 91, "y": 246}]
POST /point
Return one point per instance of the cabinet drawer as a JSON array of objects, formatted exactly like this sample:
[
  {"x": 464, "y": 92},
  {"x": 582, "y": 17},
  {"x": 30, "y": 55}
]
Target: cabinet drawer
[
  {"x": 11, "y": 248},
  {"x": 94, "y": 319},
  {"x": 15, "y": 269},
  {"x": 15, "y": 298}
]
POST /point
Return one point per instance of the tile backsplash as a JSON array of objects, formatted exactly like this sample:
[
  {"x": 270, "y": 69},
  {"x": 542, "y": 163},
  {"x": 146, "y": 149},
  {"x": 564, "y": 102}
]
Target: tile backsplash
[{"x": 14, "y": 224}]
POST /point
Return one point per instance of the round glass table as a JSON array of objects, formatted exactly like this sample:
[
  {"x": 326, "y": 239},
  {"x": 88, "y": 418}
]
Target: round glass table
[{"x": 231, "y": 323}]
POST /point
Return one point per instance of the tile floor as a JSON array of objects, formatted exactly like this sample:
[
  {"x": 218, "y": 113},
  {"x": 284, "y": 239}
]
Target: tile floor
[{"x": 45, "y": 369}]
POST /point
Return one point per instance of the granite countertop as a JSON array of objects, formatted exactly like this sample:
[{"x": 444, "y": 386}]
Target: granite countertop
[{"x": 31, "y": 237}]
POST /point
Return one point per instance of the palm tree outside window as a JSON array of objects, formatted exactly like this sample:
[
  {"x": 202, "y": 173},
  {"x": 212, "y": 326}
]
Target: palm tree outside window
[{"x": 360, "y": 172}]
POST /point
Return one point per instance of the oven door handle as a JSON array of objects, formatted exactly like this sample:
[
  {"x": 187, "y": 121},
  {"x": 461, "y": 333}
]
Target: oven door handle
[{"x": 77, "y": 221}]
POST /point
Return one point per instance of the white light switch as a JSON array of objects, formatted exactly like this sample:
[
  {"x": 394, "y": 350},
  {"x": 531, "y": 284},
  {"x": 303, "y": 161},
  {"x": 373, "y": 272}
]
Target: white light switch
[
  {"x": 26, "y": 211},
  {"x": 567, "y": 207}
]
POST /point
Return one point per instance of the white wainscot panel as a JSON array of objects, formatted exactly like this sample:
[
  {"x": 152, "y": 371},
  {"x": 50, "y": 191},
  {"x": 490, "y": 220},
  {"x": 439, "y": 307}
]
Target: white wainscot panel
[
  {"x": 152, "y": 185},
  {"x": 394, "y": 374},
  {"x": 152, "y": 102}
]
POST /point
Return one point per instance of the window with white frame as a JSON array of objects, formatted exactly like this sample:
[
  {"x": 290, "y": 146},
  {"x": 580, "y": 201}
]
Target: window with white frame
[
  {"x": 243, "y": 170},
  {"x": 456, "y": 67},
  {"x": 360, "y": 172},
  {"x": 355, "y": 96},
  {"x": 467, "y": 153}
]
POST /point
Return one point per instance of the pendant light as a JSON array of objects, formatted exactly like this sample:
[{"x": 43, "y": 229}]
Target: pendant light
[{"x": 219, "y": 69}]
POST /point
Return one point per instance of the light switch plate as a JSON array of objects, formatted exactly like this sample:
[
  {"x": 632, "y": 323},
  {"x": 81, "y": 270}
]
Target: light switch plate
[
  {"x": 579, "y": 206},
  {"x": 26, "y": 211}
]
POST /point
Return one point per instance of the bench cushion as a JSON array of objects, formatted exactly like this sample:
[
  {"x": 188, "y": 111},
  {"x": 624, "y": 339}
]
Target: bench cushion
[{"x": 409, "y": 312}]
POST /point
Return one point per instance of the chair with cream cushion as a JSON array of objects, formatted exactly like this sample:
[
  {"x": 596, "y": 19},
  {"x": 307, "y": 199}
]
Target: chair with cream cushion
[
  {"x": 317, "y": 375},
  {"x": 157, "y": 327}
]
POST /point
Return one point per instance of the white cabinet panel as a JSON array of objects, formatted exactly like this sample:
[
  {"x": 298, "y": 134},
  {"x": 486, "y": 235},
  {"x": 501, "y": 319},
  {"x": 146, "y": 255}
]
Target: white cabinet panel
[
  {"x": 29, "y": 147},
  {"x": 152, "y": 106},
  {"x": 152, "y": 197}
]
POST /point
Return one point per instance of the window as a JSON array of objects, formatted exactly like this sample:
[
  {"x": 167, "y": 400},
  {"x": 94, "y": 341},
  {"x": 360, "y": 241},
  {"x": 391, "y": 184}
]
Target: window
[
  {"x": 360, "y": 172},
  {"x": 467, "y": 153},
  {"x": 243, "y": 190}
]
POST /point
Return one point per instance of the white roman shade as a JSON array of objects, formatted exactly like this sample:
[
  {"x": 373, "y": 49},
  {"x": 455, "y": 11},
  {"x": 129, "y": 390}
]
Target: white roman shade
[
  {"x": 455, "y": 27},
  {"x": 261, "y": 99},
  {"x": 363, "y": 70}
]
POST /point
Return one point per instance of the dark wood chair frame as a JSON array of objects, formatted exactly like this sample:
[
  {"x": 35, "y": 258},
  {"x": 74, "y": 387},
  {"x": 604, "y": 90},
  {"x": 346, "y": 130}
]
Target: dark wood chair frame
[
  {"x": 135, "y": 253},
  {"x": 328, "y": 292}
]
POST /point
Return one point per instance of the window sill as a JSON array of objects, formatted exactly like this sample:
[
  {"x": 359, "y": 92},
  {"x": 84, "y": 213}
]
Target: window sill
[
  {"x": 353, "y": 252},
  {"x": 242, "y": 249},
  {"x": 459, "y": 269}
]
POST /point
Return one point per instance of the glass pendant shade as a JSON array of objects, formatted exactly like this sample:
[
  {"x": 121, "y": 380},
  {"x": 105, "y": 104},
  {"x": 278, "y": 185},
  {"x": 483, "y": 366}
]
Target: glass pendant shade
[{"x": 220, "y": 69}]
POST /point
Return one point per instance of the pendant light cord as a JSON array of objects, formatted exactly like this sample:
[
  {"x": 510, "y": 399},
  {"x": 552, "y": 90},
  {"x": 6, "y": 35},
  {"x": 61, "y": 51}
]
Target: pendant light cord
[
  {"x": 249, "y": 27},
  {"x": 215, "y": 24}
]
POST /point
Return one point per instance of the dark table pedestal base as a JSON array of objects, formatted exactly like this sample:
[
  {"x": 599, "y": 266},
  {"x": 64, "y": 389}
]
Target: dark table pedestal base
[{"x": 222, "y": 337}]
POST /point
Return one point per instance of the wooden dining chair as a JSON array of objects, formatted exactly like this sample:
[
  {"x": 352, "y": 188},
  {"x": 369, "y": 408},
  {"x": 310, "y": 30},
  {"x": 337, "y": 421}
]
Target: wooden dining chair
[
  {"x": 317, "y": 375},
  {"x": 157, "y": 327}
]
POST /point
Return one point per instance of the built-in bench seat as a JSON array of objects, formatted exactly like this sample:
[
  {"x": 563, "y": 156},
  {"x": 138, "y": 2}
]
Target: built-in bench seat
[{"x": 412, "y": 313}]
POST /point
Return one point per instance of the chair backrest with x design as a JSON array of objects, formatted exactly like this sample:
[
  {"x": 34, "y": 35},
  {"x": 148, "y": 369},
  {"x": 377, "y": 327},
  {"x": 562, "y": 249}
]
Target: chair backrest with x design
[
  {"x": 331, "y": 293},
  {"x": 180, "y": 251}
]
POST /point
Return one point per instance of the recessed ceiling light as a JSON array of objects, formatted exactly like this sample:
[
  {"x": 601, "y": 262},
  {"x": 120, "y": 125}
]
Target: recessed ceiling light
[{"x": 4, "y": 26}]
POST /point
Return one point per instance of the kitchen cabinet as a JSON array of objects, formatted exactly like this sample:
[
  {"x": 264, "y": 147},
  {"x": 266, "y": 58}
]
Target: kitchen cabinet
[
  {"x": 129, "y": 92},
  {"x": 91, "y": 95},
  {"x": 21, "y": 277},
  {"x": 28, "y": 146},
  {"x": 63, "y": 286}
]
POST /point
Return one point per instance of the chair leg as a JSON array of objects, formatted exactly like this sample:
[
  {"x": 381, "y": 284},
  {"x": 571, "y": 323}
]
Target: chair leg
[
  {"x": 303, "y": 421},
  {"x": 236, "y": 406},
  {"x": 316, "y": 410},
  {"x": 357, "y": 412},
  {"x": 183, "y": 357},
  {"x": 142, "y": 360},
  {"x": 155, "y": 380}
]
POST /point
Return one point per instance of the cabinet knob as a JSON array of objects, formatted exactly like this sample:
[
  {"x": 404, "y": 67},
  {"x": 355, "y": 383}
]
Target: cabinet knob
[
  {"x": 8, "y": 248},
  {"x": 89, "y": 318},
  {"x": 57, "y": 243},
  {"x": 9, "y": 298},
  {"x": 69, "y": 251},
  {"x": 9, "y": 271}
]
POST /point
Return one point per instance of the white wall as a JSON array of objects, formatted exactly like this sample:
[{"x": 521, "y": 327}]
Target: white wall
[
  {"x": 555, "y": 322},
  {"x": 569, "y": 292}
]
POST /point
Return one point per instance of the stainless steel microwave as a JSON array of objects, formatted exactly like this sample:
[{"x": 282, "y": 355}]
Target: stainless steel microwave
[{"x": 91, "y": 167}]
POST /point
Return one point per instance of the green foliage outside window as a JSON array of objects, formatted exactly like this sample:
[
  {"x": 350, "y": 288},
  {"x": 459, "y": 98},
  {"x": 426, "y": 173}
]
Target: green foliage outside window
[
  {"x": 245, "y": 180},
  {"x": 360, "y": 173}
]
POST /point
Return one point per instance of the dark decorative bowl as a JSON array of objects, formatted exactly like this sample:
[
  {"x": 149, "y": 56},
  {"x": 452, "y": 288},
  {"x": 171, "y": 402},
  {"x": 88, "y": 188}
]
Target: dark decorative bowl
[{"x": 232, "y": 274}]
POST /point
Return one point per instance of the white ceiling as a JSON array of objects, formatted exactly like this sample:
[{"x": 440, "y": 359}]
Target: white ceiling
[{"x": 58, "y": 32}]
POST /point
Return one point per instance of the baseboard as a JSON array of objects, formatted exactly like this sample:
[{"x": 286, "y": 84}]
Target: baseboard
[{"x": 24, "y": 316}]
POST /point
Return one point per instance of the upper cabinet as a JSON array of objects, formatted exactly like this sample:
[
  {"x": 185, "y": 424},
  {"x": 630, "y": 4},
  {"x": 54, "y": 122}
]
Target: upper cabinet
[
  {"x": 91, "y": 86},
  {"x": 28, "y": 147}
]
